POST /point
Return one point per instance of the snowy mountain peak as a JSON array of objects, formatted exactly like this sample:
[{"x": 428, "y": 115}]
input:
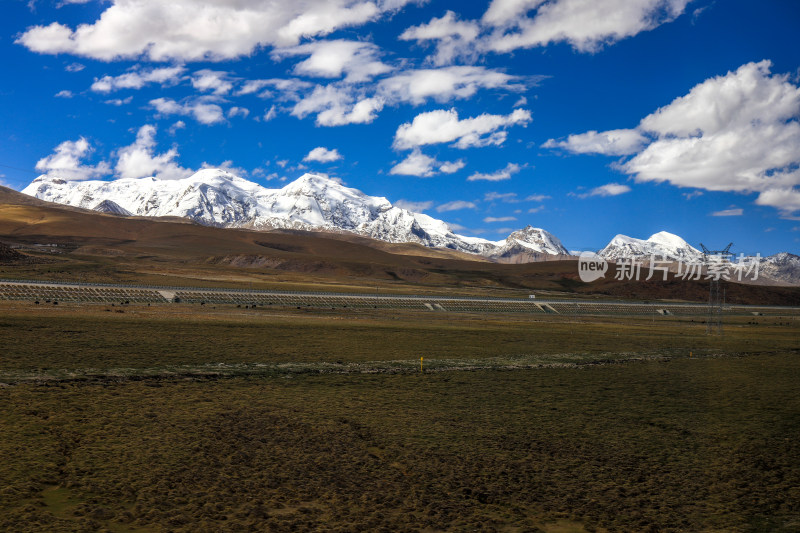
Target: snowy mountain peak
[
  {"x": 212, "y": 177},
  {"x": 782, "y": 267},
  {"x": 316, "y": 180},
  {"x": 537, "y": 240},
  {"x": 328, "y": 189},
  {"x": 661, "y": 244},
  {"x": 112, "y": 208},
  {"x": 207, "y": 174},
  {"x": 310, "y": 184},
  {"x": 667, "y": 239},
  {"x": 528, "y": 244},
  {"x": 216, "y": 197},
  {"x": 783, "y": 257},
  {"x": 44, "y": 178}
]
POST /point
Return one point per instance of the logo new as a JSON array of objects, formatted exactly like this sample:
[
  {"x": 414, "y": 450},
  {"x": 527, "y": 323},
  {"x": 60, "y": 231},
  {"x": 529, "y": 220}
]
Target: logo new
[{"x": 591, "y": 267}]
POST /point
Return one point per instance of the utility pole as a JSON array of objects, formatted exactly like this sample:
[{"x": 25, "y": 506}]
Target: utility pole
[{"x": 715, "y": 301}]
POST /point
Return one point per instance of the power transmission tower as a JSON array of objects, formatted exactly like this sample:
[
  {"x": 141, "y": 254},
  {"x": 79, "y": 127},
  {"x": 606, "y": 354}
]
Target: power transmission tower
[{"x": 716, "y": 298}]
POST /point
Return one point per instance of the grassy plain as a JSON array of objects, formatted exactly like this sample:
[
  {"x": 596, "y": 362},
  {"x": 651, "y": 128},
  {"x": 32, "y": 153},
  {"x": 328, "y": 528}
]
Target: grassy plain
[
  {"x": 182, "y": 418},
  {"x": 45, "y": 340},
  {"x": 189, "y": 418}
]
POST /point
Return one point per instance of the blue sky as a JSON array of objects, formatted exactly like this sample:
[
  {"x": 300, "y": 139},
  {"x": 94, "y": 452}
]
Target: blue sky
[{"x": 585, "y": 118}]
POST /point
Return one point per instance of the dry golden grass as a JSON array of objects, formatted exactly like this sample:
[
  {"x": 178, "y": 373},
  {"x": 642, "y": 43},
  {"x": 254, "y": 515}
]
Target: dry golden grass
[{"x": 706, "y": 444}]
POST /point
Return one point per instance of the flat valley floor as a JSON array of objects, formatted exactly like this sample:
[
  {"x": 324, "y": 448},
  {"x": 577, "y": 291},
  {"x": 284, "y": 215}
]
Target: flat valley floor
[{"x": 193, "y": 418}]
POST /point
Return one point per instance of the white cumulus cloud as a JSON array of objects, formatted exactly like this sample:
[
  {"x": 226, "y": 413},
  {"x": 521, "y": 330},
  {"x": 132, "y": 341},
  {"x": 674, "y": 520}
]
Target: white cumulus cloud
[
  {"x": 739, "y": 132},
  {"x": 421, "y": 165},
  {"x": 499, "y": 175},
  {"x": 203, "y": 111},
  {"x": 456, "y": 205},
  {"x": 733, "y": 212},
  {"x": 323, "y": 155},
  {"x": 336, "y": 105},
  {"x": 346, "y": 102},
  {"x": 236, "y": 111},
  {"x": 491, "y": 220},
  {"x": 213, "y": 81},
  {"x": 612, "y": 142},
  {"x": 179, "y": 125},
  {"x": 585, "y": 24},
  {"x": 453, "y": 37},
  {"x": 332, "y": 59},
  {"x": 537, "y": 198},
  {"x": 507, "y": 197},
  {"x": 787, "y": 199},
  {"x": 288, "y": 88},
  {"x": 447, "y": 83},
  {"x": 119, "y": 101},
  {"x": 442, "y": 126},
  {"x": 194, "y": 30},
  {"x": 67, "y": 162},
  {"x": 138, "y": 78},
  {"x": 269, "y": 114},
  {"x": 139, "y": 160},
  {"x": 609, "y": 189}
]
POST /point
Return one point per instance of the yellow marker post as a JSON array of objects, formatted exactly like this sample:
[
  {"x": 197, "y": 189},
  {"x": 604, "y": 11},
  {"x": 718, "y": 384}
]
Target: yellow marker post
[
  {"x": 420, "y": 364},
  {"x": 690, "y": 354}
]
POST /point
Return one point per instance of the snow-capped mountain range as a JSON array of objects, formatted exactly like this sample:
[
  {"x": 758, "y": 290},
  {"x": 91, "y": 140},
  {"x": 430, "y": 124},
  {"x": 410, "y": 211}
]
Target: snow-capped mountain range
[
  {"x": 218, "y": 198},
  {"x": 662, "y": 244},
  {"x": 782, "y": 268}
]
